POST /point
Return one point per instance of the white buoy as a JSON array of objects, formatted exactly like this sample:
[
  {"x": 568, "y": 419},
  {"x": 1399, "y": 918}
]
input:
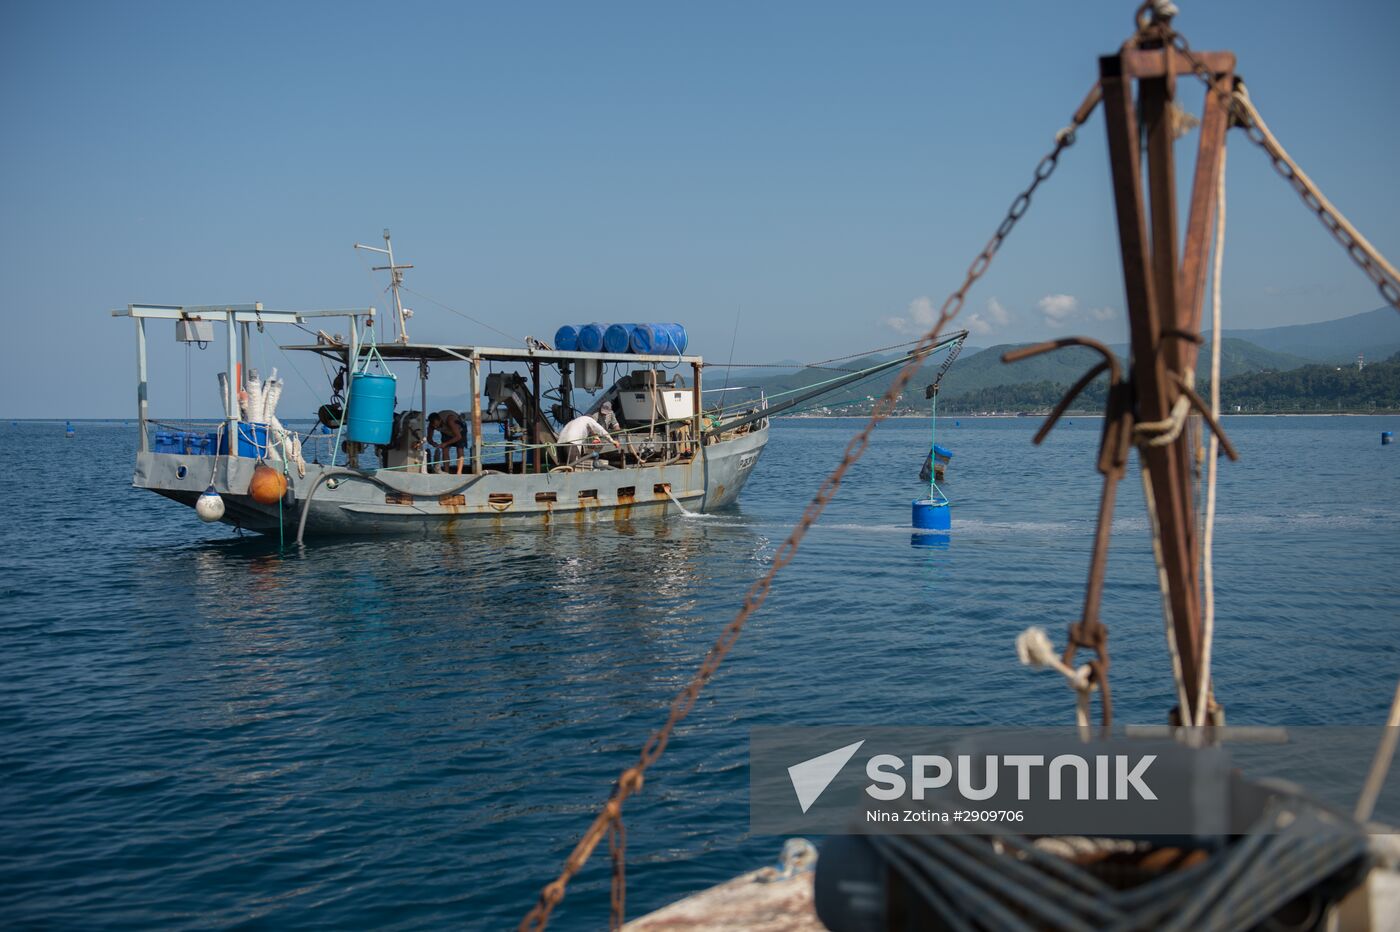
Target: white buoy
[{"x": 209, "y": 506}]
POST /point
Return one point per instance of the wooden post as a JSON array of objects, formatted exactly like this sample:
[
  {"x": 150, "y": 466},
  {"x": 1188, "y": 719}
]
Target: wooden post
[
  {"x": 699, "y": 408},
  {"x": 1163, "y": 302},
  {"x": 235, "y": 384},
  {"x": 535, "y": 416},
  {"x": 476, "y": 415},
  {"x": 244, "y": 353},
  {"x": 423, "y": 385},
  {"x": 143, "y": 442}
]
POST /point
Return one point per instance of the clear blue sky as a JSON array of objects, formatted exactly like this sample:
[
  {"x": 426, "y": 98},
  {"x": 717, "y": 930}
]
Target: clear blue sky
[{"x": 819, "y": 166}]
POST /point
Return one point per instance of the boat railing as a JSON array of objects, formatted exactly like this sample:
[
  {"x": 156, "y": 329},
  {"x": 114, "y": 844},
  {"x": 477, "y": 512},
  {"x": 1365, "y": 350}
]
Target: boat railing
[{"x": 318, "y": 445}]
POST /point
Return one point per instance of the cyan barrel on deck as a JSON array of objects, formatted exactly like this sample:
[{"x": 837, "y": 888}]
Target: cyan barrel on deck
[
  {"x": 566, "y": 337},
  {"x": 590, "y": 338},
  {"x": 659, "y": 339},
  {"x": 618, "y": 337},
  {"x": 369, "y": 417}
]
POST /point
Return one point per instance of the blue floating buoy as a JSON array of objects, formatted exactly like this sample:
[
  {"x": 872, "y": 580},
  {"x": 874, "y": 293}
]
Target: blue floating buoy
[
  {"x": 67, "y": 428},
  {"x": 933, "y": 514},
  {"x": 957, "y": 423},
  {"x": 1387, "y": 438}
]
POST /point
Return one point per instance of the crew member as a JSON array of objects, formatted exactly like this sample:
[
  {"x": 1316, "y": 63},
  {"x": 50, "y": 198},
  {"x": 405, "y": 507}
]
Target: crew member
[
  {"x": 579, "y": 431},
  {"x": 452, "y": 436},
  {"x": 607, "y": 418}
]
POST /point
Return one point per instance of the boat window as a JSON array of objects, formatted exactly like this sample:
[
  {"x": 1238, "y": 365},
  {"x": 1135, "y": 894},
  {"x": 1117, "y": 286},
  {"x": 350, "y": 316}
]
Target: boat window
[
  {"x": 588, "y": 493},
  {"x": 546, "y": 496},
  {"x": 627, "y": 491},
  {"x": 662, "y": 488}
]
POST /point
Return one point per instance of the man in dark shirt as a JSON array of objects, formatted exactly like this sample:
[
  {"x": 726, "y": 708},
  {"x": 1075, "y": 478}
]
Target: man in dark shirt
[{"x": 452, "y": 436}]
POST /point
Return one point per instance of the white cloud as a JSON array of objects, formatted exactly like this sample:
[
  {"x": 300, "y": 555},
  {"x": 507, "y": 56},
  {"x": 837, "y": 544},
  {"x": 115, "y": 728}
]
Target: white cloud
[
  {"x": 1061, "y": 309},
  {"x": 985, "y": 321},
  {"x": 919, "y": 318},
  {"x": 1057, "y": 308}
]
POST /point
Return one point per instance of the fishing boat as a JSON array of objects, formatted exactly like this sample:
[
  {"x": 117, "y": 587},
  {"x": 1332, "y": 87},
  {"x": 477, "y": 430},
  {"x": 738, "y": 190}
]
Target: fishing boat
[{"x": 369, "y": 464}]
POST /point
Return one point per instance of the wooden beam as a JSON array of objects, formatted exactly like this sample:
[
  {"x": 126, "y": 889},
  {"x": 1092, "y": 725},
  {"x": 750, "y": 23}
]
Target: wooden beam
[
  {"x": 1191, "y": 283},
  {"x": 1154, "y": 63},
  {"x": 1145, "y": 269}
]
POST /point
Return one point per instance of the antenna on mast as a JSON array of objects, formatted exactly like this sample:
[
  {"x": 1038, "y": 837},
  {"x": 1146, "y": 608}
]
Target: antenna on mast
[{"x": 395, "y": 280}]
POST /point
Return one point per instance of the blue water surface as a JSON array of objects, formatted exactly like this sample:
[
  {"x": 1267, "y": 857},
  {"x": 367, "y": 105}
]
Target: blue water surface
[{"x": 200, "y": 731}]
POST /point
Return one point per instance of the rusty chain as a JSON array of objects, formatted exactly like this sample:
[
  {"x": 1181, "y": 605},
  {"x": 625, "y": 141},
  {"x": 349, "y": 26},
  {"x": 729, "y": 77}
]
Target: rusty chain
[
  {"x": 1366, "y": 256},
  {"x": 609, "y": 819}
]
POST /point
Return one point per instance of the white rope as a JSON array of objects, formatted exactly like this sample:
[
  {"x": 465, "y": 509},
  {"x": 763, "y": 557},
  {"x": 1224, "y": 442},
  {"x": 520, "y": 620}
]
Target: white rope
[
  {"x": 1164, "y": 432},
  {"x": 1212, "y": 456},
  {"x": 1034, "y": 649},
  {"x": 1164, "y": 586}
]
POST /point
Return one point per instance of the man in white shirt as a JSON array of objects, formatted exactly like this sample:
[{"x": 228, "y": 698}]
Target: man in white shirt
[{"x": 577, "y": 432}]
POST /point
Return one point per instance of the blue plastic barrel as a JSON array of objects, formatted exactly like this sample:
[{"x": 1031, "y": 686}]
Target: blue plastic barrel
[
  {"x": 590, "y": 338},
  {"x": 1387, "y": 438},
  {"x": 659, "y": 339},
  {"x": 369, "y": 415},
  {"x": 933, "y": 514},
  {"x": 618, "y": 338},
  {"x": 566, "y": 337},
  {"x": 252, "y": 439}
]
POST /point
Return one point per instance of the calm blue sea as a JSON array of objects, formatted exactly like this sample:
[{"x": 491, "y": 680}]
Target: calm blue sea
[{"x": 200, "y": 731}]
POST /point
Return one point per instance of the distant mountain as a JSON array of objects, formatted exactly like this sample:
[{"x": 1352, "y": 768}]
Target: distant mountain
[
  {"x": 1311, "y": 388},
  {"x": 972, "y": 377},
  {"x": 1375, "y": 333}
]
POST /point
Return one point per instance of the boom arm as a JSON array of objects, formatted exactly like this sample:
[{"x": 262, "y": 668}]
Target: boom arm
[{"x": 956, "y": 338}]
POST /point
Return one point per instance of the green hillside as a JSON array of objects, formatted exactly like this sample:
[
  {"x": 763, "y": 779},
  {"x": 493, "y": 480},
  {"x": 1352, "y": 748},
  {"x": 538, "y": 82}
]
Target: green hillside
[
  {"x": 1310, "y": 388},
  {"x": 981, "y": 381},
  {"x": 1316, "y": 388}
]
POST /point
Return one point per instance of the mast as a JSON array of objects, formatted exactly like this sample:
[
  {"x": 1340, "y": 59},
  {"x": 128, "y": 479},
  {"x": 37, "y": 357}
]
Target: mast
[{"x": 395, "y": 280}]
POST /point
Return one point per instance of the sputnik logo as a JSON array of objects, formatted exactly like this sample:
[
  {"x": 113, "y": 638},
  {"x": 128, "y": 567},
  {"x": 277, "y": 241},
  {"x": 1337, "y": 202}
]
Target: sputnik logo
[{"x": 811, "y": 777}]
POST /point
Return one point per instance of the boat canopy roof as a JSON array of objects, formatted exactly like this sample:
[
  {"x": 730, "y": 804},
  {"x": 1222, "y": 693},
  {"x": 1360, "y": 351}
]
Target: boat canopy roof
[
  {"x": 448, "y": 353},
  {"x": 336, "y": 349}
]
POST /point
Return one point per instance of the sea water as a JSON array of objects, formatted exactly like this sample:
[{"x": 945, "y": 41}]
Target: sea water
[{"x": 200, "y": 730}]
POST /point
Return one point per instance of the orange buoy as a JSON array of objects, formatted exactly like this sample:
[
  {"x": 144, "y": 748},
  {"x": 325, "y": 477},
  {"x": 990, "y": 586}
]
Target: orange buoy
[{"x": 268, "y": 485}]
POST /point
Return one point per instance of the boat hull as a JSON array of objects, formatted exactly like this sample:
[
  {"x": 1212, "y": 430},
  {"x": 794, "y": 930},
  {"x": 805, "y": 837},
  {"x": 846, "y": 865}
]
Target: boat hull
[{"x": 349, "y": 502}]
